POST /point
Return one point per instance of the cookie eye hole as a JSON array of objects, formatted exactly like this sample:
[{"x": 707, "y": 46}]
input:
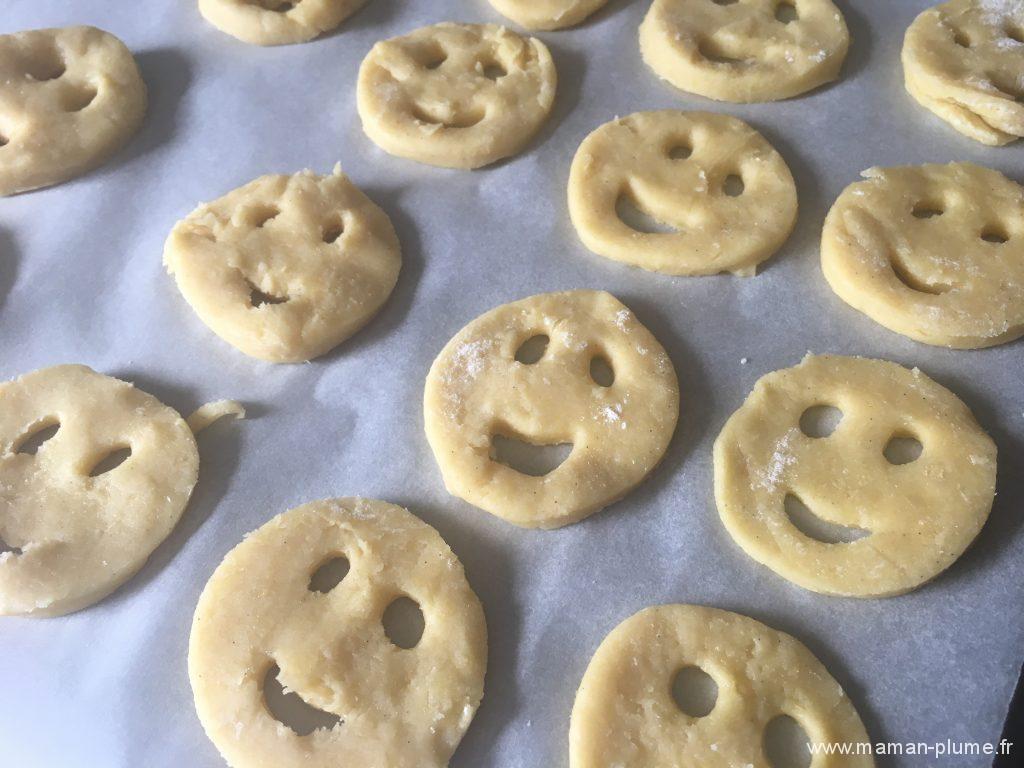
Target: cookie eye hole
[
  {"x": 403, "y": 622},
  {"x": 30, "y": 442},
  {"x": 111, "y": 460},
  {"x": 927, "y": 210},
  {"x": 995, "y": 233},
  {"x": 277, "y": 6},
  {"x": 333, "y": 230},
  {"x": 289, "y": 709},
  {"x": 528, "y": 458},
  {"x": 786, "y": 743},
  {"x": 259, "y": 215},
  {"x": 785, "y": 12},
  {"x": 78, "y": 98},
  {"x": 820, "y": 420},
  {"x": 5, "y": 548},
  {"x": 680, "y": 150},
  {"x": 902, "y": 449},
  {"x": 430, "y": 56},
  {"x": 814, "y": 527},
  {"x": 45, "y": 64},
  {"x": 961, "y": 38},
  {"x": 4, "y": 141},
  {"x": 1014, "y": 32},
  {"x": 694, "y": 691},
  {"x": 533, "y": 349},
  {"x": 601, "y": 371},
  {"x": 329, "y": 574},
  {"x": 733, "y": 185},
  {"x": 724, "y": 2},
  {"x": 492, "y": 70}
]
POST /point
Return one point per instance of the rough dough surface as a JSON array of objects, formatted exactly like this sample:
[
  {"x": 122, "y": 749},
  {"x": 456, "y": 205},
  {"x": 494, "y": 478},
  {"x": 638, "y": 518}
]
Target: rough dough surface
[
  {"x": 277, "y": 22},
  {"x": 935, "y": 252},
  {"x": 477, "y": 390},
  {"x": 72, "y": 538},
  {"x": 455, "y": 95},
  {"x": 918, "y": 516},
  {"x": 964, "y": 61},
  {"x": 625, "y": 715},
  {"x": 286, "y": 267},
  {"x": 741, "y": 51},
  {"x": 547, "y": 14},
  {"x": 69, "y": 98},
  {"x": 677, "y": 168},
  {"x": 398, "y": 707}
]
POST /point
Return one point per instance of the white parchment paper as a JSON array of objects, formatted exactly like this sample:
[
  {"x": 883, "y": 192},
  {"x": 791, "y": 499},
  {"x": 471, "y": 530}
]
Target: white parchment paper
[{"x": 81, "y": 281}]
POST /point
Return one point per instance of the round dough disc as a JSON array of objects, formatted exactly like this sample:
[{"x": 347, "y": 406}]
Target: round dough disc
[
  {"x": 69, "y": 98},
  {"x": 455, "y": 95},
  {"x": 853, "y": 512},
  {"x": 478, "y": 394},
  {"x": 286, "y": 267},
  {"x": 724, "y": 198},
  {"x": 277, "y": 22},
  {"x": 964, "y": 61},
  {"x": 261, "y": 611},
  {"x": 547, "y": 14},
  {"x": 72, "y": 531},
  {"x": 754, "y": 50},
  {"x": 935, "y": 252},
  {"x": 625, "y": 714}
]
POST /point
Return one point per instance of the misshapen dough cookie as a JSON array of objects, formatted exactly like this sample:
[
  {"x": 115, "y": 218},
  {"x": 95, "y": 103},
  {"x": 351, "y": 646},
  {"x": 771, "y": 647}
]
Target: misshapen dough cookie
[
  {"x": 455, "y": 95},
  {"x": 625, "y": 714},
  {"x": 286, "y": 267},
  {"x": 398, "y": 707},
  {"x": 619, "y": 426},
  {"x": 69, "y": 98},
  {"x": 277, "y": 22},
  {"x": 913, "y": 517},
  {"x": 726, "y": 194},
  {"x": 547, "y": 14},
  {"x": 753, "y": 50},
  {"x": 935, "y": 252},
  {"x": 72, "y": 537},
  {"x": 964, "y": 61}
]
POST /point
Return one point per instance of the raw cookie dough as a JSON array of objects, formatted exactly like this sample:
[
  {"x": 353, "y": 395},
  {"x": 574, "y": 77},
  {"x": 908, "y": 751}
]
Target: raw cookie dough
[
  {"x": 626, "y": 716},
  {"x": 73, "y": 538},
  {"x": 277, "y": 22},
  {"x": 286, "y": 267},
  {"x": 455, "y": 95},
  {"x": 619, "y": 425},
  {"x": 900, "y": 520},
  {"x": 263, "y": 611},
  {"x": 69, "y": 98},
  {"x": 547, "y": 14},
  {"x": 723, "y": 194},
  {"x": 964, "y": 60},
  {"x": 935, "y": 252},
  {"x": 754, "y": 50}
]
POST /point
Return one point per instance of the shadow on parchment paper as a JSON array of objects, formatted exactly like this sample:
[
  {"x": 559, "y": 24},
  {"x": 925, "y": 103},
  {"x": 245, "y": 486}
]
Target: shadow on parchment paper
[
  {"x": 861, "y": 41},
  {"x": 8, "y": 263},
  {"x": 489, "y": 574},
  {"x": 373, "y": 16}
]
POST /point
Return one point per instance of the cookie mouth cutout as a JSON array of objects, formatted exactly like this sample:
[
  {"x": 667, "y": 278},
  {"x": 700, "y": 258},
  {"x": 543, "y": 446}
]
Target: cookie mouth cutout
[{"x": 528, "y": 457}]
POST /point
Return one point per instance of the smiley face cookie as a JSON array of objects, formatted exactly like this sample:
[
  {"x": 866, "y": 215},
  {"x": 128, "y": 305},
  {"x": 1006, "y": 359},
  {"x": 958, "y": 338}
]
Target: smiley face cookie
[
  {"x": 547, "y": 14},
  {"x": 935, "y": 252},
  {"x": 556, "y": 369},
  {"x": 753, "y": 50},
  {"x": 874, "y": 506},
  {"x": 69, "y": 98},
  {"x": 268, "y": 610},
  {"x": 286, "y": 267},
  {"x": 76, "y": 526},
  {"x": 964, "y": 61},
  {"x": 277, "y": 22},
  {"x": 724, "y": 196},
  {"x": 455, "y": 95},
  {"x": 626, "y": 713}
]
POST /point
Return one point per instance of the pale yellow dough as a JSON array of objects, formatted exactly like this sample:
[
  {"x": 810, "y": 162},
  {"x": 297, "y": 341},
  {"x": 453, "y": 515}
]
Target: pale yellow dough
[
  {"x": 934, "y": 252},
  {"x": 286, "y": 267},
  {"x": 964, "y": 61},
  {"x": 398, "y": 707},
  {"x": 74, "y": 538},
  {"x": 918, "y": 517},
  {"x": 455, "y": 95},
  {"x": 741, "y": 51},
  {"x": 676, "y": 167},
  {"x": 547, "y": 14},
  {"x": 69, "y": 98},
  {"x": 477, "y": 389},
  {"x": 625, "y": 715},
  {"x": 277, "y": 22}
]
